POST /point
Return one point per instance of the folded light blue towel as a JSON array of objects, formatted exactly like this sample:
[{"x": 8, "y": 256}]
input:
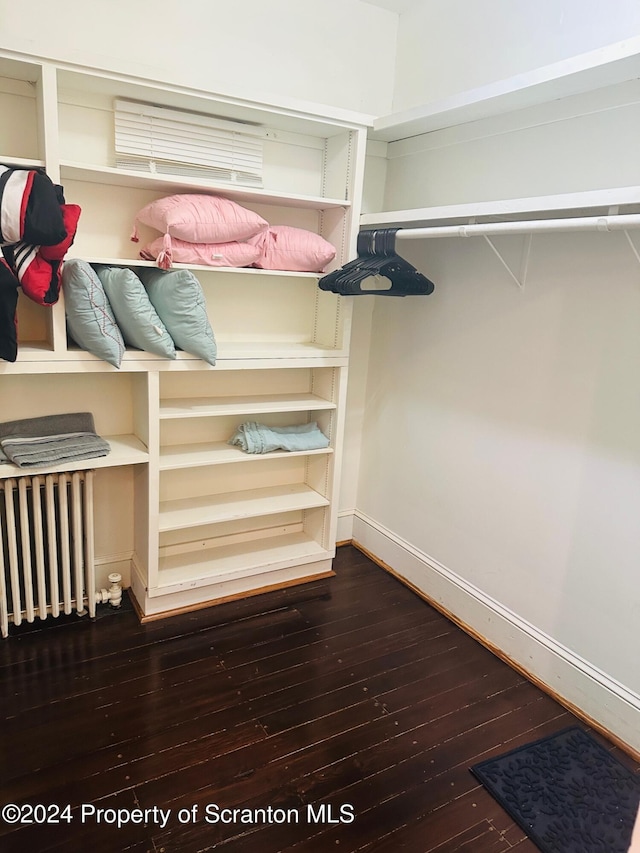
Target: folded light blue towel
[{"x": 258, "y": 438}]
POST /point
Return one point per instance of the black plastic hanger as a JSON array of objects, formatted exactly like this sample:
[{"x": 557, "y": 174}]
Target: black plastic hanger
[{"x": 377, "y": 257}]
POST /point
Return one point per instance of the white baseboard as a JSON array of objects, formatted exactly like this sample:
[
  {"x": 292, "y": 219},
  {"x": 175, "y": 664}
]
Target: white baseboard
[
  {"x": 344, "y": 531},
  {"x": 113, "y": 563},
  {"x": 588, "y": 691}
]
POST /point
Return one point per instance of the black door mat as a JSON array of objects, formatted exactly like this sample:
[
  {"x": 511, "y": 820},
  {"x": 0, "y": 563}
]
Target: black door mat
[{"x": 567, "y": 792}]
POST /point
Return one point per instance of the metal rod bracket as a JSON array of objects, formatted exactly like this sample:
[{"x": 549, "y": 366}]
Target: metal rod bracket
[{"x": 520, "y": 279}]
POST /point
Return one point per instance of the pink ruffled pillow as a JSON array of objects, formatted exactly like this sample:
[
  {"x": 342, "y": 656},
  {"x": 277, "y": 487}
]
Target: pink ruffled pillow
[
  {"x": 200, "y": 219},
  {"x": 206, "y": 254},
  {"x": 283, "y": 247}
]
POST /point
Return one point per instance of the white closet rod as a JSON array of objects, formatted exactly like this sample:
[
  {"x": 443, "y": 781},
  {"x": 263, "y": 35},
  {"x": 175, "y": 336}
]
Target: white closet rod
[{"x": 618, "y": 222}]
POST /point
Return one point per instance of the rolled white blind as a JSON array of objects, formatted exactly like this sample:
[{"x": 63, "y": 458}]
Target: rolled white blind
[{"x": 157, "y": 139}]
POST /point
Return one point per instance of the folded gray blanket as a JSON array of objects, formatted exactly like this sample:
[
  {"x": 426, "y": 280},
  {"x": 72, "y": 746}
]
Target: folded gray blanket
[
  {"x": 50, "y": 439},
  {"x": 48, "y": 425},
  {"x": 258, "y": 438},
  {"x": 50, "y": 449}
]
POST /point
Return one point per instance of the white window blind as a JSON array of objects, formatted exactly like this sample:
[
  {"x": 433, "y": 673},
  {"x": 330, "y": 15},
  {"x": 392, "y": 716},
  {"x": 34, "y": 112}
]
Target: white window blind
[{"x": 172, "y": 142}]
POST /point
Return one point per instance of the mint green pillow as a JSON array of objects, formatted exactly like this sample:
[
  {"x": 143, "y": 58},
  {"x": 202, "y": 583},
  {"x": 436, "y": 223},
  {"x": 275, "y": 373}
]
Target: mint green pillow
[
  {"x": 138, "y": 320},
  {"x": 178, "y": 298},
  {"x": 90, "y": 320}
]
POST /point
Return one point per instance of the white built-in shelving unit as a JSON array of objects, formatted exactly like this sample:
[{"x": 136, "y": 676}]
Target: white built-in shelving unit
[{"x": 194, "y": 519}]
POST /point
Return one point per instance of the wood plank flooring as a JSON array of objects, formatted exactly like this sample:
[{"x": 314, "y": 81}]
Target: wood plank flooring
[{"x": 340, "y": 715}]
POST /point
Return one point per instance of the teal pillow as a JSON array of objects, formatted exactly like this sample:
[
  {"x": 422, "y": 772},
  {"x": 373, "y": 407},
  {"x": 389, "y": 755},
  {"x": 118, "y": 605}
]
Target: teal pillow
[
  {"x": 138, "y": 320},
  {"x": 178, "y": 298},
  {"x": 90, "y": 320}
]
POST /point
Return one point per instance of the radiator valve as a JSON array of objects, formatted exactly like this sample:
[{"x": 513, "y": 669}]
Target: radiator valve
[{"x": 113, "y": 595}]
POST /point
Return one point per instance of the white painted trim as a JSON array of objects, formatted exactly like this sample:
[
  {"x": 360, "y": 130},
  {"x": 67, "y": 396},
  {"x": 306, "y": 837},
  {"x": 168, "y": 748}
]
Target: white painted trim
[
  {"x": 345, "y": 525},
  {"x": 291, "y": 106},
  {"x": 567, "y": 675},
  {"x": 113, "y": 559},
  {"x": 108, "y": 563},
  {"x": 376, "y": 148},
  {"x": 219, "y": 592}
]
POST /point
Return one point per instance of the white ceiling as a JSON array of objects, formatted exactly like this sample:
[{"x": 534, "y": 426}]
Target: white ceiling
[{"x": 393, "y": 5}]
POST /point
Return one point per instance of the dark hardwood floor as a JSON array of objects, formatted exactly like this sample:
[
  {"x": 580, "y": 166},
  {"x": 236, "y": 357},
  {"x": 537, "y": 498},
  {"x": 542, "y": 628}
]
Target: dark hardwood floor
[{"x": 347, "y": 710}]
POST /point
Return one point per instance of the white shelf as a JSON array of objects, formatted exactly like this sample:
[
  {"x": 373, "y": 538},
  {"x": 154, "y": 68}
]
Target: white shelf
[
  {"x": 203, "y": 407},
  {"x": 179, "y": 456},
  {"x": 271, "y": 349},
  {"x": 252, "y": 271},
  {"x": 606, "y": 66},
  {"x": 19, "y": 67},
  {"x": 174, "y": 184},
  {"x": 194, "y": 512},
  {"x": 40, "y": 352},
  {"x": 125, "y": 450},
  {"x": 21, "y": 162},
  {"x": 43, "y": 358},
  {"x": 213, "y": 565},
  {"x": 535, "y": 207},
  {"x": 31, "y": 351}
]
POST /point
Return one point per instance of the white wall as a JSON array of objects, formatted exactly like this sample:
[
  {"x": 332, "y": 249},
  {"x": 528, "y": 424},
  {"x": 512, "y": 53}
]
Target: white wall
[
  {"x": 502, "y": 430},
  {"x": 449, "y": 46},
  {"x": 280, "y": 49},
  {"x": 500, "y": 465},
  {"x": 585, "y": 142}
]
